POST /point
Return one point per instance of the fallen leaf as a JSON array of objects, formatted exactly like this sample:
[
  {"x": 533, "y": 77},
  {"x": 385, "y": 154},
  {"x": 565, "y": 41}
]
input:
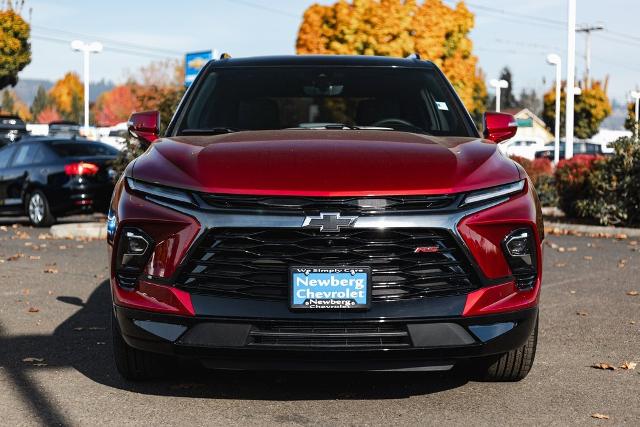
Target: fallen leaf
[
  {"x": 632, "y": 322},
  {"x": 572, "y": 249},
  {"x": 15, "y": 257},
  {"x": 79, "y": 246},
  {"x": 622, "y": 263},
  {"x": 621, "y": 236},
  {"x": 32, "y": 360},
  {"x": 561, "y": 264},
  {"x": 628, "y": 365},
  {"x": 633, "y": 243},
  {"x": 600, "y": 416},
  {"x": 3, "y": 228},
  {"x": 604, "y": 366},
  {"x": 572, "y": 292},
  {"x": 561, "y": 249},
  {"x": 582, "y": 313},
  {"x": 34, "y": 257},
  {"x": 33, "y": 310},
  {"x": 44, "y": 236},
  {"x": 62, "y": 247},
  {"x": 588, "y": 257},
  {"x": 633, "y": 293},
  {"x": 51, "y": 270}
]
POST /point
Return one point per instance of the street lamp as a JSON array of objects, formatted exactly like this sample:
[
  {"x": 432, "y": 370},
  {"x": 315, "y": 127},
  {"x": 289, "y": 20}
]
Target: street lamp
[
  {"x": 635, "y": 95},
  {"x": 86, "y": 49},
  {"x": 553, "y": 59},
  {"x": 498, "y": 85},
  {"x": 571, "y": 75}
]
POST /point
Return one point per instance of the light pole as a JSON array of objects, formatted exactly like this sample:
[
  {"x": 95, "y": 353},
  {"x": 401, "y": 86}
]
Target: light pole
[
  {"x": 554, "y": 59},
  {"x": 571, "y": 70},
  {"x": 498, "y": 85},
  {"x": 635, "y": 95},
  {"x": 86, "y": 49}
]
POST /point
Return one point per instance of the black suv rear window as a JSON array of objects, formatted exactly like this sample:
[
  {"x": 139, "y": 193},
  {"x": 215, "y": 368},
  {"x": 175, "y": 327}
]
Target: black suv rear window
[
  {"x": 82, "y": 149},
  {"x": 256, "y": 98}
]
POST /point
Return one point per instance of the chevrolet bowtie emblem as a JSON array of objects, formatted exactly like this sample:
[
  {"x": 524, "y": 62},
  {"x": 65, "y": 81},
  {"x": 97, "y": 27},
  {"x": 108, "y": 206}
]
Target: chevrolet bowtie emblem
[{"x": 329, "y": 222}]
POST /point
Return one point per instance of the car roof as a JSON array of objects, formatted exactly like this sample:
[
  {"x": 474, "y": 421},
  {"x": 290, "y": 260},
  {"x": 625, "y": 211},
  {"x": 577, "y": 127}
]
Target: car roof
[
  {"x": 50, "y": 139},
  {"x": 322, "y": 60}
]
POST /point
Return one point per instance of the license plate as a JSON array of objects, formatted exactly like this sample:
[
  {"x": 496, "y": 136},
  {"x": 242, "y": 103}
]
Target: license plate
[{"x": 330, "y": 288}]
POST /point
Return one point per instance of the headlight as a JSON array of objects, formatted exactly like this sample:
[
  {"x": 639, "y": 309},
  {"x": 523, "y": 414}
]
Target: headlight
[
  {"x": 160, "y": 191},
  {"x": 493, "y": 193}
]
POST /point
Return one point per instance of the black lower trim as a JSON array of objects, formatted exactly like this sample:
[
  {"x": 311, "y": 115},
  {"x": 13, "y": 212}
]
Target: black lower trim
[{"x": 419, "y": 343}]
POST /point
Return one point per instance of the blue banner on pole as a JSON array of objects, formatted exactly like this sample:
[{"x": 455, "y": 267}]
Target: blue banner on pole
[{"x": 194, "y": 61}]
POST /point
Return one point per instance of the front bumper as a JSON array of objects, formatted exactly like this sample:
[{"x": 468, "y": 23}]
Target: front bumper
[{"x": 434, "y": 343}]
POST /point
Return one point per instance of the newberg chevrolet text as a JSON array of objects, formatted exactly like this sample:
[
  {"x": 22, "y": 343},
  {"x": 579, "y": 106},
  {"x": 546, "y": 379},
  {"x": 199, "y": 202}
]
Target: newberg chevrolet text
[{"x": 324, "y": 213}]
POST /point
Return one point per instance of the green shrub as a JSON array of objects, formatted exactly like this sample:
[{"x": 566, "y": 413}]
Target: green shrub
[
  {"x": 541, "y": 173},
  {"x": 612, "y": 188}
]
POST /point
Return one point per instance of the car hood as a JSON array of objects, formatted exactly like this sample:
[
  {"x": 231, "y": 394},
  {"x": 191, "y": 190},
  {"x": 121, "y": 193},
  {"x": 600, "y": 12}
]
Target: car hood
[{"x": 325, "y": 163}]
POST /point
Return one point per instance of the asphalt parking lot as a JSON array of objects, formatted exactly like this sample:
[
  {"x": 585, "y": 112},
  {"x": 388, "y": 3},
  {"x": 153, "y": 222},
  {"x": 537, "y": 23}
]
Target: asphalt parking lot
[{"x": 56, "y": 365}]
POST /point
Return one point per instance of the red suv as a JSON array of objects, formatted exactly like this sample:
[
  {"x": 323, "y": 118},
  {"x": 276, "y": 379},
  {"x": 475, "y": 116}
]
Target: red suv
[{"x": 324, "y": 213}]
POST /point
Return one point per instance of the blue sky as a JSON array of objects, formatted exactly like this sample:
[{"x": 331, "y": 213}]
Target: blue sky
[{"x": 517, "y": 34}]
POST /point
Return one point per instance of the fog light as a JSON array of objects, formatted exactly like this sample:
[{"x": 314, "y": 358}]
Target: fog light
[
  {"x": 519, "y": 250},
  {"x": 518, "y": 243},
  {"x": 134, "y": 251}
]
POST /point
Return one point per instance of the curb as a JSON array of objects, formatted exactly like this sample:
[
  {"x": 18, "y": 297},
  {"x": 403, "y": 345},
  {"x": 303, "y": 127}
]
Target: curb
[
  {"x": 591, "y": 230},
  {"x": 83, "y": 230}
]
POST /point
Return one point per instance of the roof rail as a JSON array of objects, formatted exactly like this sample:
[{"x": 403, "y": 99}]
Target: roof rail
[
  {"x": 414, "y": 55},
  {"x": 225, "y": 55}
]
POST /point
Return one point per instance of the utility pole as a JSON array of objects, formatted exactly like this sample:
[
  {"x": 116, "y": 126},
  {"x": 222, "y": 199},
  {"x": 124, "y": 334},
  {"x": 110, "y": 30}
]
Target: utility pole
[
  {"x": 587, "y": 30},
  {"x": 571, "y": 70}
]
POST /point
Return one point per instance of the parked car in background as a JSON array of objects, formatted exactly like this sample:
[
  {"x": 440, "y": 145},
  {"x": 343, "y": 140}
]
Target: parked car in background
[
  {"x": 12, "y": 128},
  {"x": 522, "y": 147},
  {"x": 115, "y": 135},
  {"x": 64, "y": 129},
  {"x": 45, "y": 178},
  {"x": 580, "y": 147}
]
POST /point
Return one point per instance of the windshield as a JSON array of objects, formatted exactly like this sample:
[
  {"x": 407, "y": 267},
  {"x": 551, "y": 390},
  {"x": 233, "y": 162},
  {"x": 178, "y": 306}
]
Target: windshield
[{"x": 404, "y": 99}]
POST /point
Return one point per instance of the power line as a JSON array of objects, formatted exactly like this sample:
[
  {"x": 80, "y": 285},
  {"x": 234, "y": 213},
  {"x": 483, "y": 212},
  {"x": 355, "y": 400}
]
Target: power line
[
  {"x": 109, "y": 47},
  {"x": 108, "y": 40},
  {"x": 264, "y": 8}
]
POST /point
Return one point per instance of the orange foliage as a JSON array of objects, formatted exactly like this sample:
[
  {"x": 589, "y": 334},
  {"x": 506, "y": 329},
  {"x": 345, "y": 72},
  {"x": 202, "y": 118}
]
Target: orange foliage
[
  {"x": 398, "y": 28},
  {"x": 48, "y": 115},
  {"x": 63, "y": 91},
  {"x": 115, "y": 106}
]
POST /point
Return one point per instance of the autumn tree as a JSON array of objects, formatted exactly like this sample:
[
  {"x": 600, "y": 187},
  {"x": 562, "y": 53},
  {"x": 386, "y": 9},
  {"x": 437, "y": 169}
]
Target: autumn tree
[
  {"x": 48, "y": 115},
  {"x": 116, "y": 105},
  {"x": 67, "y": 95},
  {"x": 15, "y": 49},
  {"x": 399, "y": 28},
  {"x": 11, "y": 104},
  {"x": 591, "y": 107}
]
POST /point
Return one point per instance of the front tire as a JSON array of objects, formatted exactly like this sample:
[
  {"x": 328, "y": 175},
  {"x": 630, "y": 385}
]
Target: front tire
[
  {"x": 38, "y": 211},
  {"x": 514, "y": 365},
  {"x": 133, "y": 364}
]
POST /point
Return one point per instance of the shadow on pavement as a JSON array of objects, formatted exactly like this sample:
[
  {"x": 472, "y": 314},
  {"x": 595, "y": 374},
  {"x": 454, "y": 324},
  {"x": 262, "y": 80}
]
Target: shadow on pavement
[{"x": 83, "y": 342}]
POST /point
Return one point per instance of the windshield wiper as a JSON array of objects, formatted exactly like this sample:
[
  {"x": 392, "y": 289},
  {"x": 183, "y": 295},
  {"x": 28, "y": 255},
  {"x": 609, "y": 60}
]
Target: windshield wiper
[{"x": 209, "y": 131}]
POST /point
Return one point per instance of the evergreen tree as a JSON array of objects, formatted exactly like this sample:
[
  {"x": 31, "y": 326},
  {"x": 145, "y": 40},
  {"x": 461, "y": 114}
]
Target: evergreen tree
[{"x": 40, "y": 102}]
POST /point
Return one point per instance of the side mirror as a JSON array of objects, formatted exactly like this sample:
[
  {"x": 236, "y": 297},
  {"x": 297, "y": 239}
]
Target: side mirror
[
  {"x": 145, "y": 126},
  {"x": 499, "y": 127}
]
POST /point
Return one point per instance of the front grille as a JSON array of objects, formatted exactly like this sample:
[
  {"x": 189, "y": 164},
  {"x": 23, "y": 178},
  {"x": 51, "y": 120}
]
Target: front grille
[
  {"x": 351, "y": 205},
  {"x": 254, "y": 262},
  {"x": 127, "y": 279},
  {"x": 330, "y": 336}
]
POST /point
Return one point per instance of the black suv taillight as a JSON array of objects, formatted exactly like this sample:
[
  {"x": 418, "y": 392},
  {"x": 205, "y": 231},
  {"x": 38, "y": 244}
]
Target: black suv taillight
[
  {"x": 134, "y": 250},
  {"x": 519, "y": 250}
]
